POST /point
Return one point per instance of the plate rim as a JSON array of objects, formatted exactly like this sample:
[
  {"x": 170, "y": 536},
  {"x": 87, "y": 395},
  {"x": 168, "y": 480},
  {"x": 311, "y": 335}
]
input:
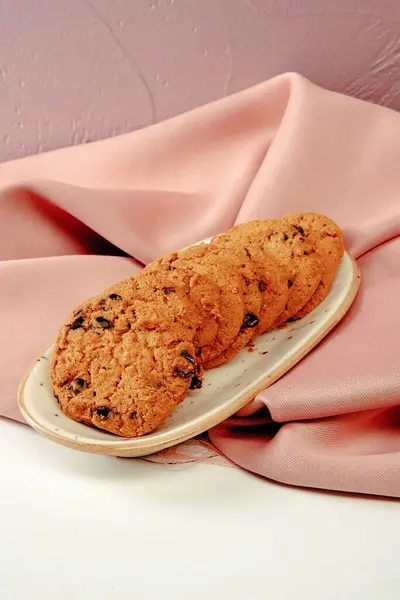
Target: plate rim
[{"x": 140, "y": 446}]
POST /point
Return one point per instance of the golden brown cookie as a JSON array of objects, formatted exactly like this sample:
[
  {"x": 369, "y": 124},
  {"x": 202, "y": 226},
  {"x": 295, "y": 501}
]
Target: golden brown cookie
[
  {"x": 272, "y": 278},
  {"x": 252, "y": 300},
  {"x": 224, "y": 275},
  {"x": 287, "y": 244},
  {"x": 123, "y": 361},
  {"x": 180, "y": 283},
  {"x": 327, "y": 238}
]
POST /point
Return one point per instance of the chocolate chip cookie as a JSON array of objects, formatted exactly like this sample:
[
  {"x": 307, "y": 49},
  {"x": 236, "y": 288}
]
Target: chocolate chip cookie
[
  {"x": 287, "y": 244},
  {"x": 123, "y": 361},
  {"x": 224, "y": 275},
  {"x": 272, "y": 277},
  {"x": 179, "y": 283},
  {"x": 327, "y": 238},
  {"x": 252, "y": 301}
]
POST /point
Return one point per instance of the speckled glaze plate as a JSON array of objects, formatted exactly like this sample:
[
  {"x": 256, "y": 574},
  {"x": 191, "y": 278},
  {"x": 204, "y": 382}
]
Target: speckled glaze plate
[{"x": 225, "y": 390}]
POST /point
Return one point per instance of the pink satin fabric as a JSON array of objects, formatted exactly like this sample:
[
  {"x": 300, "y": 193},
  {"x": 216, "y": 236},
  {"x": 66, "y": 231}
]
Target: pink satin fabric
[{"x": 71, "y": 220}]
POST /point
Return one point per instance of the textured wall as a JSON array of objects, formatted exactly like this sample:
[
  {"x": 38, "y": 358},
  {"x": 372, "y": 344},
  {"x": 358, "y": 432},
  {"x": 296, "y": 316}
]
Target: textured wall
[{"x": 72, "y": 71}]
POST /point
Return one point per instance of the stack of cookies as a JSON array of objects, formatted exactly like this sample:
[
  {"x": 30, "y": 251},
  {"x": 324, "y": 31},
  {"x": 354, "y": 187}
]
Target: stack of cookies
[{"x": 128, "y": 357}]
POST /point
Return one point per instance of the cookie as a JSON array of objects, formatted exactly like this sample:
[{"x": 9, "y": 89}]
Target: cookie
[
  {"x": 272, "y": 278},
  {"x": 327, "y": 238},
  {"x": 224, "y": 275},
  {"x": 252, "y": 301},
  {"x": 123, "y": 361},
  {"x": 287, "y": 244},
  {"x": 180, "y": 283}
]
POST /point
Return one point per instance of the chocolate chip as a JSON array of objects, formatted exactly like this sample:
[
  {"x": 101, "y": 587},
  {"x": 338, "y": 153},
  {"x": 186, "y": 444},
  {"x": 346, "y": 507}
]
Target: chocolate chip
[
  {"x": 94, "y": 393},
  {"x": 183, "y": 374},
  {"x": 306, "y": 253},
  {"x": 168, "y": 291},
  {"x": 291, "y": 319},
  {"x": 250, "y": 320},
  {"x": 286, "y": 237},
  {"x": 115, "y": 297},
  {"x": 105, "y": 323},
  {"x": 188, "y": 357},
  {"x": 248, "y": 252},
  {"x": 289, "y": 283},
  {"x": 299, "y": 229},
  {"x": 78, "y": 323},
  {"x": 247, "y": 281},
  {"x": 103, "y": 412},
  {"x": 196, "y": 383},
  {"x": 75, "y": 387},
  {"x": 264, "y": 353},
  {"x": 133, "y": 414},
  {"x": 129, "y": 326},
  {"x": 261, "y": 286},
  {"x": 57, "y": 398}
]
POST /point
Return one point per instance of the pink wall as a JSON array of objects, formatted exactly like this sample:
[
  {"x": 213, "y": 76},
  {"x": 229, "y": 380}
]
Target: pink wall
[{"x": 72, "y": 71}]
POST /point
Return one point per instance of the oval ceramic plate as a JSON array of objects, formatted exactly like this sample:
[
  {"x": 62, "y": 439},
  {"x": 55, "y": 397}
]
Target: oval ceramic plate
[{"x": 225, "y": 390}]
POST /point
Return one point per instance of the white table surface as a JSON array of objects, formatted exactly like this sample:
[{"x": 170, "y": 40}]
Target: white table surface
[{"x": 76, "y": 526}]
